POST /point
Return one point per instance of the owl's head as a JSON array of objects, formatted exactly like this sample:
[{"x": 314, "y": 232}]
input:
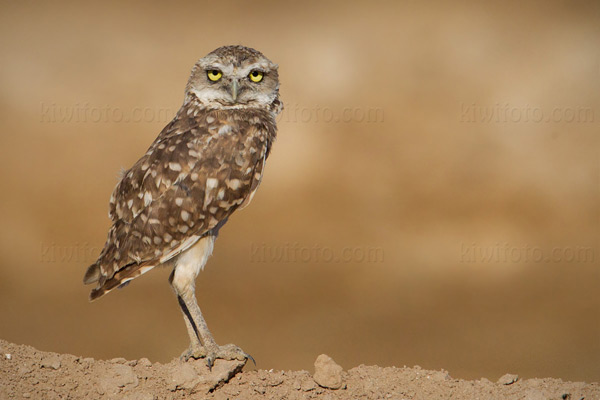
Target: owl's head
[{"x": 235, "y": 77}]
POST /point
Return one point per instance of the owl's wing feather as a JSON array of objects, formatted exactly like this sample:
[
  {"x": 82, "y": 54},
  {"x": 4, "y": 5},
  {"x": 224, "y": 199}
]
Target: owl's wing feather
[{"x": 199, "y": 170}]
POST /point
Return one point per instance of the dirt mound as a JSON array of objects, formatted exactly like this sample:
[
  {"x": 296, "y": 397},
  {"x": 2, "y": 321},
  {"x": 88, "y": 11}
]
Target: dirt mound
[{"x": 29, "y": 373}]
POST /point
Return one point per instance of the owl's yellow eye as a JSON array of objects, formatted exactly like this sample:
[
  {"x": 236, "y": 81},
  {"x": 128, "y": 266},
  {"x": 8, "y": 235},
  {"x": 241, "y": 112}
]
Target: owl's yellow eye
[
  {"x": 256, "y": 76},
  {"x": 214, "y": 74}
]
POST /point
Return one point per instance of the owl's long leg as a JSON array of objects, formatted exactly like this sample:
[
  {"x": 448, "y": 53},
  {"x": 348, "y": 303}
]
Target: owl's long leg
[
  {"x": 195, "y": 350},
  {"x": 200, "y": 336},
  {"x": 183, "y": 280},
  {"x": 202, "y": 341}
]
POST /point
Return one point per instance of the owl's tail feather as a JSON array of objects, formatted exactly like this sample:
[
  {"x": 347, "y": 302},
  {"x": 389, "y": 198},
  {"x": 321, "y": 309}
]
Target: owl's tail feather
[
  {"x": 92, "y": 274},
  {"x": 120, "y": 278}
]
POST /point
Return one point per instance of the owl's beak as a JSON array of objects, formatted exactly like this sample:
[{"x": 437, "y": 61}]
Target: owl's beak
[{"x": 234, "y": 89}]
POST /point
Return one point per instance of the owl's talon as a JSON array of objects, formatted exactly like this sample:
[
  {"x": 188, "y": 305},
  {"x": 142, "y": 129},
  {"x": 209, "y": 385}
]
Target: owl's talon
[{"x": 248, "y": 356}]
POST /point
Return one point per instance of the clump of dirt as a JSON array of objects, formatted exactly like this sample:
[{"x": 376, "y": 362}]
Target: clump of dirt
[{"x": 29, "y": 373}]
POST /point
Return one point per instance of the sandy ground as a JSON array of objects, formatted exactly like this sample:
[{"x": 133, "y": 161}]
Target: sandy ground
[{"x": 29, "y": 373}]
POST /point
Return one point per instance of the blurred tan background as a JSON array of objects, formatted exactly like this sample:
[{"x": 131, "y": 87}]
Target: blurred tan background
[{"x": 432, "y": 198}]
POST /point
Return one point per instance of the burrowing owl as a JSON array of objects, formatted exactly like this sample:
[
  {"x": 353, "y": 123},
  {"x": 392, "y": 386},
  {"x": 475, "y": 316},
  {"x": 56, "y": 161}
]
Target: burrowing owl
[{"x": 205, "y": 164}]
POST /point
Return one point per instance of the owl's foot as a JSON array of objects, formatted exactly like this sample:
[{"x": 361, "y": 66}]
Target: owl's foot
[
  {"x": 226, "y": 352},
  {"x": 194, "y": 352}
]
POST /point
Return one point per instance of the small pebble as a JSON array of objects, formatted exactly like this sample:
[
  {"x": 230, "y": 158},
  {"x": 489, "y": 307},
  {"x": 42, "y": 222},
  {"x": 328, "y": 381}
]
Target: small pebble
[
  {"x": 51, "y": 361},
  {"x": 144, "y": 362},
  {"x": 328, "y": 373},
  {"x": 508, "y": 379}
]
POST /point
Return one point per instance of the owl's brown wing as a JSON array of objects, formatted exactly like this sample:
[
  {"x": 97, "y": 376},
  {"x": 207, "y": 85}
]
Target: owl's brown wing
[{"x": 199, "y": 170}]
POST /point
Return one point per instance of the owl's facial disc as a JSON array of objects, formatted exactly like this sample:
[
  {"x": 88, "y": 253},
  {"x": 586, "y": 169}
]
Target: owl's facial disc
[{"x": 234, "y": 83}]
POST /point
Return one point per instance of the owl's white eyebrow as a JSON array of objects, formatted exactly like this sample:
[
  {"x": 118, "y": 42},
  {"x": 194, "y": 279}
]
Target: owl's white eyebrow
[
  {"x": 264, "y": 67},
  {"x": 226, "y": 69}
]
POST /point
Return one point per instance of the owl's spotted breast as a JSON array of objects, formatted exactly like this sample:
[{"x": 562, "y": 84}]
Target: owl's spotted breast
[{"x": 203, "y": 166}]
